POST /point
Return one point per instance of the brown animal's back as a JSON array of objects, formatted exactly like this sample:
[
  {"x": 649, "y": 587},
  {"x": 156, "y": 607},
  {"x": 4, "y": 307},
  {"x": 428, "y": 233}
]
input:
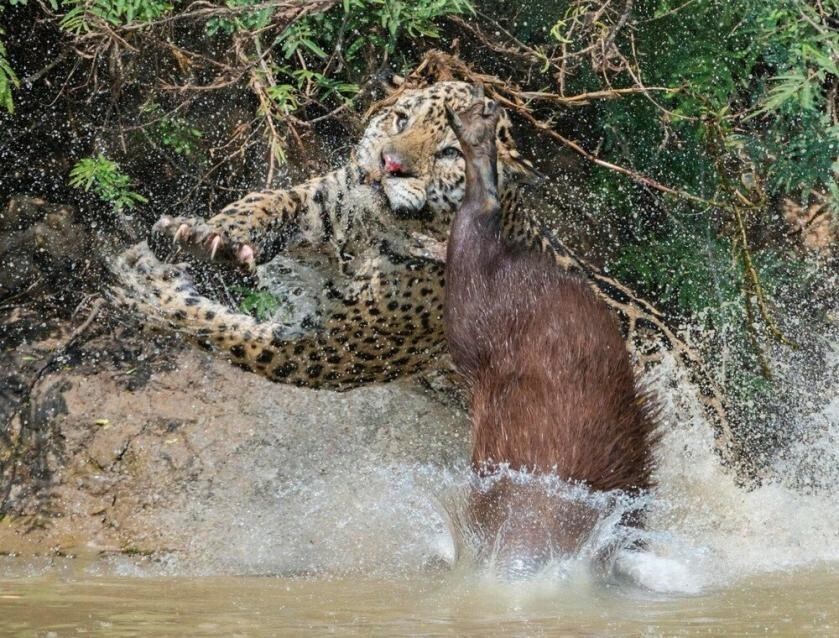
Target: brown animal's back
[{"x": 552, "y": 384}]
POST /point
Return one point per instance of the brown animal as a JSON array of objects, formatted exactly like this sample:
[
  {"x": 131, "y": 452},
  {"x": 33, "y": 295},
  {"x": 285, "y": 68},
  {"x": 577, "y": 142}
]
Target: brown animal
[{"x": 551, "y": 382}]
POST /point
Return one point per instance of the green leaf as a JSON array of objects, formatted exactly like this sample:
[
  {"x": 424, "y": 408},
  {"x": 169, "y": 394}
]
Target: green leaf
[
  {"x": 106, "y": 180},
  {"x": 260, "y": 303},
  {"x": 8, "y": 80}
]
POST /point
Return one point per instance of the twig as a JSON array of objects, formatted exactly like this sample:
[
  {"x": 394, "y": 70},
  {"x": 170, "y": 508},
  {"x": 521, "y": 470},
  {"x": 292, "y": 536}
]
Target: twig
[
  {"x": 610, "y": 40},
  {"x": 763, "y": 362},
  {"x": 266, "y": 106},
  {"x": 584, "y": 98},
  {"x": 29, "y": 80},
  {"x": 441, "y": 65},
  {"x": 667, "y": 13},
  {"x": 634, "y": 175},
  {"x": 754, "y": 282},
  {"x": 33, "y": 287}
]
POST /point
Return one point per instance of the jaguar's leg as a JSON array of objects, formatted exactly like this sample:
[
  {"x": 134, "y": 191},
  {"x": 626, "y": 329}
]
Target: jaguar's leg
[
  {"x": 355, "y": 345},
  {"x": 254, "y": 228}
]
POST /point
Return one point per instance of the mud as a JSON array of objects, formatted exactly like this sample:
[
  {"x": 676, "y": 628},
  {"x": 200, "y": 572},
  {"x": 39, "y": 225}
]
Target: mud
[{"x": 130, "y": 433}]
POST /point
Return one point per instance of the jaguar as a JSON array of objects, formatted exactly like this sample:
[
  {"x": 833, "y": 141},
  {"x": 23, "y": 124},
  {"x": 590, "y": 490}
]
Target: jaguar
[{"x": 358, "y": 254}]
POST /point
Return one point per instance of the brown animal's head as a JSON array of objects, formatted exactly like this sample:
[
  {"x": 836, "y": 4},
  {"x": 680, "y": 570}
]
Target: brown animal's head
[{"x": 475, "y": 126}]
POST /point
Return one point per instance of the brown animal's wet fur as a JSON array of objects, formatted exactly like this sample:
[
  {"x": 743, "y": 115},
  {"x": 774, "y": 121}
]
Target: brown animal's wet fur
[{"x": 552, "y": 385}]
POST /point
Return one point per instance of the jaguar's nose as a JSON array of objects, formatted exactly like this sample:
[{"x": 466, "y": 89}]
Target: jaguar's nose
[{"x": 392, "y": 164}]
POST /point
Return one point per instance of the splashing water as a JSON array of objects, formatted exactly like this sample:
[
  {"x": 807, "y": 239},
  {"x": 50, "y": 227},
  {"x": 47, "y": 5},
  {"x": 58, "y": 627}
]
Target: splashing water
[
  {"x": 392, "y": 550},
  {"x": 702, "y": 531}
]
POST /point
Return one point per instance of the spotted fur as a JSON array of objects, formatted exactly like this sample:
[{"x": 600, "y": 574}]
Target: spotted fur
[{"x": 380, "y": 301}]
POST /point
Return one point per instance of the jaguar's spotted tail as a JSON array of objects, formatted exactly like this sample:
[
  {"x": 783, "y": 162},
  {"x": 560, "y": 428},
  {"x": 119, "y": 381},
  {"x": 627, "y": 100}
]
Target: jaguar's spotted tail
[{"x": 165, "y": 296}]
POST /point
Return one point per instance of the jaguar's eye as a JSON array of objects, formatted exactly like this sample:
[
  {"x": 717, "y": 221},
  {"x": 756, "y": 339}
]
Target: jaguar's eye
[
  {"x": 400, "y": 121},
  {"x": 450, "y": 152}
]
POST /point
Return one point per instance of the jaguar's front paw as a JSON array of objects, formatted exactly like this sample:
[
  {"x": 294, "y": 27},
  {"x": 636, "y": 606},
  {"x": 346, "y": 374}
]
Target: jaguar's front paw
[{"x": 208, "y": 240}]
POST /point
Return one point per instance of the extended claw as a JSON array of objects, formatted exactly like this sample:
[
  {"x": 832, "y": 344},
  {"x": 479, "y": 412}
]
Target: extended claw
[
  {"x": 214, "y": 246},
  {"x": 182, "y": 231},
  {"x": 247, "y": 257}
]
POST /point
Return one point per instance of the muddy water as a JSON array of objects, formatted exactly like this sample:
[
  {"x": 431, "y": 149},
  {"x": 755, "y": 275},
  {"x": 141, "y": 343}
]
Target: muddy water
[
  {"x": 789, "y": 604},
  {"x": 372, "y": 549},
  {"x": 384, "y": 551}
]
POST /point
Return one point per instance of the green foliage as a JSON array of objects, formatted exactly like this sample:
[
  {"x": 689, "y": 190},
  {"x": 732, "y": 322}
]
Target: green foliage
[
  {"x": 8, "y": 80},
  {"x": 175, "y": 133},
  {"x": 324, "y": 58},
  {"x": 696, "y": 272},
  {"x": 362, "y": 25},
  {"x": 750, "y": 119},
  {"x": 354, "y": 33},
  {"x": 106, "y": 180},
  {"x": 762, "y": 71},
  {"x": 699, "y": 276},
  {"x": 79, "y": 13},
  {"x": 249, "y": 21},
  {"x": 284, "y": 97},
  {"x": 803, "y": 53},
  {"x": 326, "y": 86},
  {"x": 259, "y": 303},
  {"x": 801, "y": 140},
  {"x": 677, "y": 270}
]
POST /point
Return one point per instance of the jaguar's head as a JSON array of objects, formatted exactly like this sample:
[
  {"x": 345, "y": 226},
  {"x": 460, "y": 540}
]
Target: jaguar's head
[{"x": 410, "y": 150}]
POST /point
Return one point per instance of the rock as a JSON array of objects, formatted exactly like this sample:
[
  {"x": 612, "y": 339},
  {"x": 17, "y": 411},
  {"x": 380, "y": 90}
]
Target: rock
[
  {"x": 21, "y": 212},
  {"x": 219, "y": 467},
  {"x": 39, "y": 240},
  {"x": 814, "y": 225}
]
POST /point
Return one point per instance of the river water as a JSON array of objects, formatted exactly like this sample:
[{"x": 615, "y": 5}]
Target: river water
[
  {"x": 372, "y": 549},
  {"x": 714, "y": 559},
  {"x": 787, "y": 603}
]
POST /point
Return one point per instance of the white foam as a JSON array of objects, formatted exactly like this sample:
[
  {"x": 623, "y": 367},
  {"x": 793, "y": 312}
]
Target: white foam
[
  {"x": 701, "y": 520},
  {"x": 703, "y": 530}
]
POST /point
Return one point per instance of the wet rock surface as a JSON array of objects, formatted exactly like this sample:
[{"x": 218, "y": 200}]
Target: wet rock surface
[
  {"x": 38, "y": 241},
  {"x": 144, "y": 446}
]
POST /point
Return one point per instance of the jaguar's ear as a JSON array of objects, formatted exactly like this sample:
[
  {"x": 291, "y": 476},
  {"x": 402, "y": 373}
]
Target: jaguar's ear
[
  {"x": 477, "y": 91},
  {"x": 454, "y": 120},
  {"x": 391, "y": 82}
]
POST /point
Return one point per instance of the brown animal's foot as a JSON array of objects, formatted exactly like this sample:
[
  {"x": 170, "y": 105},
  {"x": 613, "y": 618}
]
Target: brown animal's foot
[{"x": 209, "y": 239}]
